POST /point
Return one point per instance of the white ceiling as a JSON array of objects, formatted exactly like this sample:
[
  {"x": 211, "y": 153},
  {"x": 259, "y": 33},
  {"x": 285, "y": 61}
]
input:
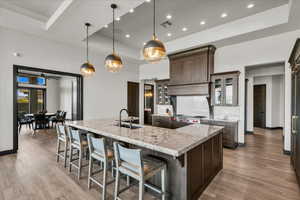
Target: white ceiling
[
  {"x": 38, "y": 9},
  {"x": 63, "y": 21},
  {"x": 187, "y": 13}
]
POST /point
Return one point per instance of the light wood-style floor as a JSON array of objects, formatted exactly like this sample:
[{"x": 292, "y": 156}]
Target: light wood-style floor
[{"x": 258, "y": 171}]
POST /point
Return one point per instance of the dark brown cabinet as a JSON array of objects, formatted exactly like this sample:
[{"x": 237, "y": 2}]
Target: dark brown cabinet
[
  {"x": 230, "y": 131},
  {"x": 162, "y": 97},
  {"x": 224, "y": 90},
  {"x": 192, "y": 67},
  {"x": 295, "y": 109}
]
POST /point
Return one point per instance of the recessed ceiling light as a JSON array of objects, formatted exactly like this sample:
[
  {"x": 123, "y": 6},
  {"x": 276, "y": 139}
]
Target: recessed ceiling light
[
  {"x": 251, "y": 5},
  {"x": 144, "y": 43},
  {"x": 169, "y": 34},
  {"x": 224, "y": 15},
  {"x": 202, "y": 22},
  {"x": 127, "y": 35},
  {"x": 118, "y": 18},
  {"x": 105, "y": 26},
  {"x": 131, "y": 10},
  {"x": 184, "y": 29},
  {"x": 168, "y": 16},
  {"x": 148, "y": 0}
]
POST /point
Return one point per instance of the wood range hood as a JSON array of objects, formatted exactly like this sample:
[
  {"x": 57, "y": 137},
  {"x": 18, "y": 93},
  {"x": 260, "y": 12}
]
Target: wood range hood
[{"x": 190, "y": 72}]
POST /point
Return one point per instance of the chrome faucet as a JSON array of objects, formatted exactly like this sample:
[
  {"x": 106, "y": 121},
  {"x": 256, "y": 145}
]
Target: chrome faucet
[{"x": 120, "y": 117}]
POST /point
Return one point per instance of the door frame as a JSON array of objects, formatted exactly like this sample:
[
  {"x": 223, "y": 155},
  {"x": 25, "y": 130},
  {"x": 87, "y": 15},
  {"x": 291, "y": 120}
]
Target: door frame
[
  {"x": 16, "y": 68},
  {"x": 265, "y": 121}
]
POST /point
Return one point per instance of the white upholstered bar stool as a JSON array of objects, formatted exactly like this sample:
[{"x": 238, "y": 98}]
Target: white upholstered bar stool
[
  {"x": 76, "y": 143},
  {"x": 99, "y": 152},
  {"x": 130, "y": 162},
  {"x": 62, "y": 137}
]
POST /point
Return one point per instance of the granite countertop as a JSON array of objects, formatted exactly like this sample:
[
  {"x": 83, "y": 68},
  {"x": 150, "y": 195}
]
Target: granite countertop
[
  {"x": 174, "y": 142},
  {"x": 220, "y": 119}
]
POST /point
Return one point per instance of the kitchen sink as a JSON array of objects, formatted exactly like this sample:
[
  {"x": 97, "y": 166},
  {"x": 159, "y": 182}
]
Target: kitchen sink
[{"x": 128, "y": 126}]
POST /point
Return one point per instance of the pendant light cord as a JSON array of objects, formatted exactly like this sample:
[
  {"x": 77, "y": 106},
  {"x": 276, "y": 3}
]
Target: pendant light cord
[
  {"x": 113, "y": 30},
  {"x": 154, "y": 19},
  {"x": 87, "y": 43}
]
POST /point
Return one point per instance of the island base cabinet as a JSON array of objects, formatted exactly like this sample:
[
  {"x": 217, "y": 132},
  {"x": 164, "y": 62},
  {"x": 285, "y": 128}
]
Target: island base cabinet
[{"x": 189, "y": 174}]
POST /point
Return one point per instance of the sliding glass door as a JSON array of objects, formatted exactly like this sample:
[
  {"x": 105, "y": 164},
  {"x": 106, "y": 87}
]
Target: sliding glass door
[{"x": 31, "y": 100}]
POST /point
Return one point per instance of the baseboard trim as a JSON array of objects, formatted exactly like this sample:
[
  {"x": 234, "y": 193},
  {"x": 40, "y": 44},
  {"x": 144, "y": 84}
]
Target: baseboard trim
[
  {"x": 272, "y": 128},
  {"x": 3, "y": 153},
  {"x": 286, "y": 152},
  {"x": 242, "y": 144},
  {"x": 249, "y": 132}
]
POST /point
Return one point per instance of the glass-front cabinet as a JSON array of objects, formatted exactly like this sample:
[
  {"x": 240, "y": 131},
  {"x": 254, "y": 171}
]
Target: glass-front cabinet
[
  {"x": 163, "y": 97},
  {"x": 225, "y": 88}
]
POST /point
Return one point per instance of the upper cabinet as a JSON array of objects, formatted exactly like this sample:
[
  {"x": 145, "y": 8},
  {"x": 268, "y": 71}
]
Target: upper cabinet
[
  {"x": 224, "y": 90},
  {"x": 190, "y": 71},
  {"x": 162, "y": 92},
  {"x": 192, "y": 67}
]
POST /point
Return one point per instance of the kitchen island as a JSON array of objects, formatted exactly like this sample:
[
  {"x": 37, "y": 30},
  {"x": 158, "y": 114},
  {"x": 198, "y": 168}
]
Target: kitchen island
[{"x": 194, "y": 153}]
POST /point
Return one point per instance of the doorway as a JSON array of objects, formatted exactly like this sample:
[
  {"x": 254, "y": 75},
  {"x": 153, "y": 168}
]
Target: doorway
[
  {"x": 33, "y": 96},
  {"x": 133, "y": 92},
  {"x": 259, "y": 107}
]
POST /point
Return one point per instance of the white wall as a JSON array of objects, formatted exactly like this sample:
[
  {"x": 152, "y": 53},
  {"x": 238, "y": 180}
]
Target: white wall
[
  {"x": 65, "y": 94},
  {"x": 52, "y": 95},
  {"x": 158, "y": 70},
  {"x": 104, "y": 94}
]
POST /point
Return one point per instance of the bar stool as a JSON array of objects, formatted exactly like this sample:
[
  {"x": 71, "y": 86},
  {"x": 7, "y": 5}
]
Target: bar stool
[
  {"x": 62, "y": 138},
  {"x": 99, "y": 152},
  {"x": 76, "y": 142},
  {"x": 130, "y": 162}
]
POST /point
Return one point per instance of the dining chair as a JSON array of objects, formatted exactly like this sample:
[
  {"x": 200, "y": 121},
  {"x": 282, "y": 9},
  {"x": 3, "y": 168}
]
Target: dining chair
[
  {"x": 62, "y": 137},
  {"x": 98, "y": 151},
  {"x": 76, "y": 143},
  {"x": 131, "y": 163}
]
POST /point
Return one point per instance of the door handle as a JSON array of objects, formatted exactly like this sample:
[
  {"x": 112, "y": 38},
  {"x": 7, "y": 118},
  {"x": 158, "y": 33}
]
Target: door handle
[{"x": 294, "y": 124}]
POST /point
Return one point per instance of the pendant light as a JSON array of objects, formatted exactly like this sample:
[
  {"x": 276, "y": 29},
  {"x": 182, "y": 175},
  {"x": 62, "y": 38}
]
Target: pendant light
[
  {"x": 154, "y": 50},
  {"x": 87, "y": 69},
  {"x": 113, "y": 62}
]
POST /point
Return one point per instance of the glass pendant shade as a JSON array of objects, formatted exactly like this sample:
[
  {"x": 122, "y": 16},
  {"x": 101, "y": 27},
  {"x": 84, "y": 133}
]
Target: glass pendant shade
[
  {"x": 154, "y": 50},
  {"x": 87, "y": 70},
  {"x": 113, "y": 63}
]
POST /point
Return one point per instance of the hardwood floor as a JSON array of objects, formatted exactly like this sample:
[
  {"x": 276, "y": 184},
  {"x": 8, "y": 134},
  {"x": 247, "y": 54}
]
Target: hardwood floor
[{"x": 257, "y": 171}]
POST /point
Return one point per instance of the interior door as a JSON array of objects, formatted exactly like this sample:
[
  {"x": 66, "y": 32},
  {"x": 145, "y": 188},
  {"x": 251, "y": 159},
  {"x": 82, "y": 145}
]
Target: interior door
[
  {"x": 133, "y": 90},
  {"x": 259, "y": 102}
]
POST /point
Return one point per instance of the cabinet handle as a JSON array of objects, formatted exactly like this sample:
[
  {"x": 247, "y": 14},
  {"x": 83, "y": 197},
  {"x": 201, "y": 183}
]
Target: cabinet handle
[{"x": 294, "y": 124}]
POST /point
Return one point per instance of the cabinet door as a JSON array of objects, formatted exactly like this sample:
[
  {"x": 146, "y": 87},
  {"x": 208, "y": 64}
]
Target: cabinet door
[
  {"x": 217, "y": 91},
  {"x": 176, "y": 71},
  {"x": 230, "y": 90}
]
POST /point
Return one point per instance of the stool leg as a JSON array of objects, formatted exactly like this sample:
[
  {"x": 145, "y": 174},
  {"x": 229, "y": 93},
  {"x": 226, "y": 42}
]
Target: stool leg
[
  {"x": 79, "y": 164},
  {"x": 66, "y": 152},
  {"x": 104, "y": 181},
  {"x": 57, "y": 150},
  {"x": 90, "y": 171},
  {"x": 117, "y": 183},
  {"x": 141, "y": 189},
  {"x": 71, "y": 158},
  {"x": 163, "y": 183}
]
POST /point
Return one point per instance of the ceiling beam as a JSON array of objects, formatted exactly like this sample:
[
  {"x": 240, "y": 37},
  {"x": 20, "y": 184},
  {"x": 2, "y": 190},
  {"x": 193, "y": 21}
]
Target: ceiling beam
[{"x": 59, "y": 11}]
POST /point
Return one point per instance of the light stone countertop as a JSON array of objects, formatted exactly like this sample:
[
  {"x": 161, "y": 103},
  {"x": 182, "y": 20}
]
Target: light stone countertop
[{"x": 174, "y": 142}]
